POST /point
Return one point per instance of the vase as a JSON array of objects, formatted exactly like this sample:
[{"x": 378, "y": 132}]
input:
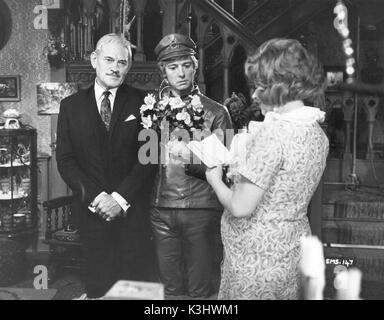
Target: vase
[{"x": 55, "y": 61}]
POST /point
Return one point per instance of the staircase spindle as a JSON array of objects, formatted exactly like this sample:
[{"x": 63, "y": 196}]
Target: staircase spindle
[{"x": 56, "y": 219}]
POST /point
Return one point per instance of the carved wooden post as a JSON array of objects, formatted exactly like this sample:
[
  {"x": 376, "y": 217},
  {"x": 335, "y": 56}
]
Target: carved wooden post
[
  {"x": 348, "y": 111},
  {"x": 252, "y": 3},
  {"x": 229, "y": 6},
  {"x": 139, "y": 12},
  {"x": 228, "y": 47},
  {"x": 89, "y": 7},
  {"x": 370, "y": 105},
  {"x": 72, "y": 11},
  {"x": 114, "y": 13},
  {"x": 184, "y": 17},
  {"x": 169, "y": 12},
  {"x": 334, "y": 104},
  {"x": 312, "y": 39},
  {"x": 203, "y": 23}
]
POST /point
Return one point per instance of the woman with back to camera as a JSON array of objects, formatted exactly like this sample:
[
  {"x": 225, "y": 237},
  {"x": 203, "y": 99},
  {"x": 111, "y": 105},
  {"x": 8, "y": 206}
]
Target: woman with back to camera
[{"x": 266, "y": 209}]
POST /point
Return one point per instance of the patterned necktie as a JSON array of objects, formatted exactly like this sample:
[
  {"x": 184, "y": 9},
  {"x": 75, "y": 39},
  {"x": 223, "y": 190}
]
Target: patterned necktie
[{"x": 105, "y": 109}]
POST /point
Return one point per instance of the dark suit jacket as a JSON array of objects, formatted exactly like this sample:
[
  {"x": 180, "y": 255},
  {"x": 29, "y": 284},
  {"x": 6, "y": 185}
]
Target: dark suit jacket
[{"x": 92, "y": 160}]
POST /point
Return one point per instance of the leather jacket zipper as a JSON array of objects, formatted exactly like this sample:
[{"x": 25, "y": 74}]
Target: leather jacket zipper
[{"x": 159, "y": 183}]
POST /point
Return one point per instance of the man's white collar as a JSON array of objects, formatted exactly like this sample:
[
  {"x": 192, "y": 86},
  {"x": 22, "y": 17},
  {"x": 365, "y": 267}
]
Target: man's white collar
[{"x": 99, "y": 90}]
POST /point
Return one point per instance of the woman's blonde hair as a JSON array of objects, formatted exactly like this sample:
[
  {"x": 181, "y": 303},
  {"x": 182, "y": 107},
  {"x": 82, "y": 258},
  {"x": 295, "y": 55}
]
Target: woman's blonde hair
[{"x": 282, "y": 71}]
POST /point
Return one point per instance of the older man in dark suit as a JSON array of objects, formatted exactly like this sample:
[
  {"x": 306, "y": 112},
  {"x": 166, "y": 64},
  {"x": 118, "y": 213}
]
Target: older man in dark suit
[{"x": 97, "y": 156}]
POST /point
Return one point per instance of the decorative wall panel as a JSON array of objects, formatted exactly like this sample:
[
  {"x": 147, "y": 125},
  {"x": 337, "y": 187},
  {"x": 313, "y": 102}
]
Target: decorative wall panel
[{"x": 23, "y": 55}]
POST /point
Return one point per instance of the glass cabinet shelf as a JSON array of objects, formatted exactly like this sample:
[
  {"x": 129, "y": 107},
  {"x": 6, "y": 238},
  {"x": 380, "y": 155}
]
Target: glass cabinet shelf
[
  {"x": 18, "y": 182},
  {"x": 15, "y": 164}
]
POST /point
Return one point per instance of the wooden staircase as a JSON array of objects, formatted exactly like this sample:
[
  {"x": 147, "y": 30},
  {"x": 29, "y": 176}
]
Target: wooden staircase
[{"x": 266, "y": 20}]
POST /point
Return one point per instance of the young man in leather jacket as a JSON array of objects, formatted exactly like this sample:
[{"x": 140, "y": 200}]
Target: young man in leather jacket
[{"x": 184, "y": 206}]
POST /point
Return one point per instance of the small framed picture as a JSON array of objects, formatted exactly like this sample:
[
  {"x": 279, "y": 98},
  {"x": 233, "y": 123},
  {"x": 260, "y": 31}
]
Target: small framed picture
[
  {"x": 52, "y": 4},
  {"x": 50, "y": 94},
  {"x": 9, "y": 88},
  {"x": 334, "y": 77}
]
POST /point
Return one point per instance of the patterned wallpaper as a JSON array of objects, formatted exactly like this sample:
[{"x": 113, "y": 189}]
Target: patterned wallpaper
[{"x": 22, "y": 55}]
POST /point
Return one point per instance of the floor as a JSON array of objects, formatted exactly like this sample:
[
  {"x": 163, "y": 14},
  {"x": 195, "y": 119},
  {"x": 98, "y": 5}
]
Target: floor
[
  {"x": 68, "y": 283},
  {"x": 68, "y": 286}
]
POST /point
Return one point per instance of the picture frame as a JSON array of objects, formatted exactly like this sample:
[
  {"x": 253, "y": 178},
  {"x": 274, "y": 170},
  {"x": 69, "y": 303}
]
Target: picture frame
[
  {"x": 50, "y": 94},
  {"x": 10, "y": 88},
  {"x": 52, "y": 4},
  {"x": 334, "y": 75}
]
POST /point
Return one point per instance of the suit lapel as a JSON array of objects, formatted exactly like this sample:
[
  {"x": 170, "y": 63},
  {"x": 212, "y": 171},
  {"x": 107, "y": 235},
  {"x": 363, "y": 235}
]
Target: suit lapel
[
  {"x": 120, "y": 102},
  {"x": 93, "y": 113},
  {"x": 99, "y": 133}
]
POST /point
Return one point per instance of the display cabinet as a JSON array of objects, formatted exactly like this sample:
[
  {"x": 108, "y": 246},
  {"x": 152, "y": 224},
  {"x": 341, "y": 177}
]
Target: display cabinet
[{"x": 18, "y": 182}]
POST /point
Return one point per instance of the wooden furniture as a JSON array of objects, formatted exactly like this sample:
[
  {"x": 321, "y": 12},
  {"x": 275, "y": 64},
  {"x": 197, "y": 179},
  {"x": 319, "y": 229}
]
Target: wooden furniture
[
  {"x": 62, "y": 235},
  {"x": 18, "y": 183},
  {"x": 12, "y": 262}
]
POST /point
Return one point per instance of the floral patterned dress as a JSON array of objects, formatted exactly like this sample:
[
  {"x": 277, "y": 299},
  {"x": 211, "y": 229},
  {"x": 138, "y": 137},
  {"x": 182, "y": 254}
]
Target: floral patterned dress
[{"x": 286, "y": 157}]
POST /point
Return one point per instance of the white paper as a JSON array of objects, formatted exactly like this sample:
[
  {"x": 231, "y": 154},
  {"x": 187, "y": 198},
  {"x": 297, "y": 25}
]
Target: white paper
[
  {"x": 135, "y": 290},
  {"x": 211, "y": 151}
]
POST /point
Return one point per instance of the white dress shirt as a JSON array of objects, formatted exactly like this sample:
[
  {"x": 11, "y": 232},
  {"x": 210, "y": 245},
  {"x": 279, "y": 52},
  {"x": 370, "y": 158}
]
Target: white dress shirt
[{"x": 99, "y": 90}]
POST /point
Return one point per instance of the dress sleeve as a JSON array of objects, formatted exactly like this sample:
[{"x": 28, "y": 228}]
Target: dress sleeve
[{"x": 263, "y": 159}]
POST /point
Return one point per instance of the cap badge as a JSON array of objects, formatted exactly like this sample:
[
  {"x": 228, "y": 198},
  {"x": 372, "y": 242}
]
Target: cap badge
[{"x": 174, "y": 44}]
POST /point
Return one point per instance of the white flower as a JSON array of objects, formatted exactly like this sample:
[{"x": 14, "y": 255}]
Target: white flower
[
  {"x": 176, "y": 103},
  {"x": 161, "y": 105},
  {"x": 181, "y": 116},
  {"x": 143, "y": 108},
  {"x": 195, "y": 100},
  {"x": 196, "y": 103},
  {"x": 184, "y": 116},
  {"x": 146, "y": 122},
  {"x": 150, "y": 100},
  {"x": 187, "y": 119},
  {"x": 164, "y": 101}
]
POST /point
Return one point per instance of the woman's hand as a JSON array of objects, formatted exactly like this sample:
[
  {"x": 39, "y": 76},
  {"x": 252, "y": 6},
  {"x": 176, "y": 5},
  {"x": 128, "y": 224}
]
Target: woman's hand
[{"x": 214, "y": 174}]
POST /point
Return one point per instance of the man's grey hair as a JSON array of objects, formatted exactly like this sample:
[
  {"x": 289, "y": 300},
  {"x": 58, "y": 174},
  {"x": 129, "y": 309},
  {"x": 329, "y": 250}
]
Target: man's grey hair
[{"x": 114, "y": 38}]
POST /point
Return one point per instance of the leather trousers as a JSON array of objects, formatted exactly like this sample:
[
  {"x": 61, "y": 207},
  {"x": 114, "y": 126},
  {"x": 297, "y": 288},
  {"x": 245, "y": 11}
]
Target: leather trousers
[{"x": 184, "y": 250}]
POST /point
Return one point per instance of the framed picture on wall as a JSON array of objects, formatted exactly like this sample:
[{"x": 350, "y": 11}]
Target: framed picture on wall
[
  {"x": 52, "y": 4},
  {"x": 50, "y": 94},
  {"x": 335, "y": 75},
  {"x": 9, "y": 88}
]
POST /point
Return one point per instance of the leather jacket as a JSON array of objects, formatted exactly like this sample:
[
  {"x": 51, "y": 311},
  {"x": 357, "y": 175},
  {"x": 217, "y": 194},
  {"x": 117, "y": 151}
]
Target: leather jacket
[{"x": 176, "y": 188}]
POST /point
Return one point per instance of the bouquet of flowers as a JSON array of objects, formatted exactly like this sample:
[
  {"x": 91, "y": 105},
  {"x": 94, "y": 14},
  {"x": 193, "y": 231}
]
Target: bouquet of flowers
[
  {"x": 183, "y": 114},
  {"x": 178, "y": 114},
  {"x": 57, "y": 51}
]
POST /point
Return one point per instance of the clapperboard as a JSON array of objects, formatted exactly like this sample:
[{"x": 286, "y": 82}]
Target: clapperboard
[{"x": 334, "y": 265}]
